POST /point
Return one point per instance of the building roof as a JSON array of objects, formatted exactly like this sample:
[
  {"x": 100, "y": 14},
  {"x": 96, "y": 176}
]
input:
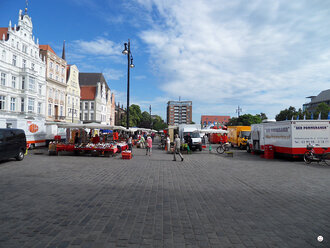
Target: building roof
[
  {"x": 86, "y": 78},
  {"x": 5, "y": 32},
  {"x": 87, "y": 92},
  {"x": 46, "y": 48},
  {"x": 324, "y": 96}
]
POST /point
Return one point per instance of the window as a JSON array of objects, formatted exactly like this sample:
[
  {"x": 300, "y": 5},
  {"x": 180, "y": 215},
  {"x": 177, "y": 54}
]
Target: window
[
  {"x": 86, "y": 116},
  {"x": 22, "y": 104},
  {"x": 49, "y": 109},
  {"x": 13, "y": 81},
  {"x": 12, "y": 103},
  {"x": 39, "y": 107},
  {"x": 62, "y": 80},
  {"x": 68, "y": 100},
  {"x": 31, "y": 52},
  {"x": 86, "y": 105},
  {"x": 3, "y": 55},
  {"x": 12, "y": 43},
  {"x": 62, "y": 70},
  {"x": 51, "y": 75},
  {"x": 61, "y": 110},
  {"x": 56, "y": 94},
  {"x": 31, "y": 104},
  {"x": 2, "y": 102},
  {"x": 56, "y": 78},
  {"x": 51, "y": 65},
  {"x": 14, "y": 60},
  {"x": 3, "y": 79},
  {"x": 32, "y": 66},
  {"x": 23, "y": 83},
  {"x": 39, "y": 89},
  {"x": 17, "y": 45},
  {"x": 32, "y": 84},
  {"x": 24, "y": 63},
  {"x": 92, "y": 116},
  {"x": 92, "y": 105},
  {"x": 50, "y": 93},
  {"x": 24, "y": 48},
  {"x": 56, "y": 67}
]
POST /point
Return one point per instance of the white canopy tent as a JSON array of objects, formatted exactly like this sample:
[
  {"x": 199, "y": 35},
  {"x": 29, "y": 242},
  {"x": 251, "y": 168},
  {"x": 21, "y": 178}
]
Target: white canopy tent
[{"x": 206, "y": 131}]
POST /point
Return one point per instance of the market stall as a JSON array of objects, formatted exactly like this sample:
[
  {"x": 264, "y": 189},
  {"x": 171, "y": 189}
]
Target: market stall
[{"x": 92, "y": 138}]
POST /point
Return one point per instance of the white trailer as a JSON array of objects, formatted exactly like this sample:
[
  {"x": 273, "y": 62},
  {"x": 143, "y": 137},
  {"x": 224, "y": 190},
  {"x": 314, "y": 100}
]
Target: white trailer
[
  {"x": 35, "y": 130},
  {"x": 291, "y": 137}
]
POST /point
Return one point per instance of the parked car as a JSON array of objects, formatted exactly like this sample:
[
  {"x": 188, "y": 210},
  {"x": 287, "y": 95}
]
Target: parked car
[{"x": 12, "y": 143}]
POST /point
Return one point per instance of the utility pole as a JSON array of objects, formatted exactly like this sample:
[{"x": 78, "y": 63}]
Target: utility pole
[
  {"x": 238, "y": 111},
  {"x": 150, "y": 117}
]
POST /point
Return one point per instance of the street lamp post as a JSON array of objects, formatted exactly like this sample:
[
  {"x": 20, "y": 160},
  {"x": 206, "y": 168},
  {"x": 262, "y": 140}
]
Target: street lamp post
[{"x": 127, "y": 51}]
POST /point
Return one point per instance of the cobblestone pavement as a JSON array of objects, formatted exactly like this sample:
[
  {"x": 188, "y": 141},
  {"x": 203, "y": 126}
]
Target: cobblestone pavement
[{"x": 208, "y": 200}]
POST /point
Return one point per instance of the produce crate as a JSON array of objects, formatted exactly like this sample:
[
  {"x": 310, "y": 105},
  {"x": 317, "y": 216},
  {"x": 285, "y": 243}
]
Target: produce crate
[{"x": 126, "y": 155}]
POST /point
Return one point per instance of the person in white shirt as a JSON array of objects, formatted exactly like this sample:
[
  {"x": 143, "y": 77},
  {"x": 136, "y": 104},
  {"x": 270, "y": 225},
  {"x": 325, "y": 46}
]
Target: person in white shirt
[{"x": 177, "y": 144}]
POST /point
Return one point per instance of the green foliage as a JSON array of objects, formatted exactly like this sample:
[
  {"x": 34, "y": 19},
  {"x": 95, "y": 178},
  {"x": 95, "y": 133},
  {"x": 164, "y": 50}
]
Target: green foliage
[
  {"x": 138, "y": 119},
  {"x": 292, "y": 113},
  {"x": 134, "y": 116},
  {"x": 145, "y": 120},
  {"x": 324, "y": 109},
  {"x": 247, "y": 120},
  {"x": 158, "y": 123}
]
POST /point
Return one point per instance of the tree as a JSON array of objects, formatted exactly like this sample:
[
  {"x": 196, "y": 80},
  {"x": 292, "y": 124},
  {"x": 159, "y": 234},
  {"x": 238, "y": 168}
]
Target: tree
[
  {"x": 322, "y": 108},
  {"x": 135, "y": 116},
  {"x": 247, "y": 120},
  {"x": 158, "y": 123},
  {"x": 145, "y": 120},
  {"x": 286, "y": 114}
]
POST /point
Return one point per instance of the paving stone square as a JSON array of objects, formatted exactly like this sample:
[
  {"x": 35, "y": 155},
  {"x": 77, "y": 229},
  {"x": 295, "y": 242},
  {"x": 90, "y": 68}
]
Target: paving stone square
[{"x": 208, "y": 200}]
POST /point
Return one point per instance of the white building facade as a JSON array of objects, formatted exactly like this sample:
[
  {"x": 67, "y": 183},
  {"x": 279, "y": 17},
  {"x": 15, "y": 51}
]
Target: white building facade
[
  {"x": 56, "y": 84},
  {"x": 22, "y": 73},
  {"x": 95, "y": 102},
  {"x": 73, "y": 95}
]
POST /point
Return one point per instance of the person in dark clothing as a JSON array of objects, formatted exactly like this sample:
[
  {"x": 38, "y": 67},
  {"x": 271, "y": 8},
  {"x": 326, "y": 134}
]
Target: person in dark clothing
[{"x": 189, "y": 141}]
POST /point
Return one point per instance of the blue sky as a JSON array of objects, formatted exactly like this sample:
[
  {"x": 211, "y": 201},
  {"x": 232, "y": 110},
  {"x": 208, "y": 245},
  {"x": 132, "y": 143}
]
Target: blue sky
[{"x": 261, "y": 55}]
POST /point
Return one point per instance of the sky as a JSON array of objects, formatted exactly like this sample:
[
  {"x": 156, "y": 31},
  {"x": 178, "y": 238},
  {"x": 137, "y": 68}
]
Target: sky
[{"x": 261, "y": 55}]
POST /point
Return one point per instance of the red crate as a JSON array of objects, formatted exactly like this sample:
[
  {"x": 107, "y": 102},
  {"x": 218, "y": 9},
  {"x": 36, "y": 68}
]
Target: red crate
[{"x": 126, "y": 155}]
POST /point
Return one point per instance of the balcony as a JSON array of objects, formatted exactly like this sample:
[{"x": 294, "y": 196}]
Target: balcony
[{"x": 58, "y": 117}]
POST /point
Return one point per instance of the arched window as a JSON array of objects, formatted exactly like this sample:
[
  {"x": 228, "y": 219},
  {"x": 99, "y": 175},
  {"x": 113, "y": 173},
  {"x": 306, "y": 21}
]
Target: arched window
[{"x": 3, "y": 55}]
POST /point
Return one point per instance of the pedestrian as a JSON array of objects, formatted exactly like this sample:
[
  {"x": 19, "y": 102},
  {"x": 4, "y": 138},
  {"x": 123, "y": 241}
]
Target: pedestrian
[
  {"x": 168, "y": 143},
  {"x": 177, "y": 144},
  {"x": 149, "y": 145},
  {"x": 129, "y": 143}
]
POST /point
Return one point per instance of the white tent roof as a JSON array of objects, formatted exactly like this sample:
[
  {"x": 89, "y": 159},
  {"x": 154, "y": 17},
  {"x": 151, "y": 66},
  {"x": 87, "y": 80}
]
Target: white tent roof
[{"x": 212, "y": 131}]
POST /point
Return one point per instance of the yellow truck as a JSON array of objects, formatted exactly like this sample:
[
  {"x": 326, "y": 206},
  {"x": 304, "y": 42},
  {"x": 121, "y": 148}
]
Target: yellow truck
[{"x": 239, "y": 135}]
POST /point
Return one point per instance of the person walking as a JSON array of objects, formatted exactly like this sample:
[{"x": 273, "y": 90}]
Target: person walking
[
  {"x": 177, "y": 144},
  {"x": 149, "y": 145},
  {"x": 129, "y": 143},
  {"x": 168, "y": 143}
]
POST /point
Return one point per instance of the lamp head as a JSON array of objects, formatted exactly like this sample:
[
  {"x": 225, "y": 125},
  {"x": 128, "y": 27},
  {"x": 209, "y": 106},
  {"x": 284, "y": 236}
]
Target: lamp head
[
  {"x": 125, "y": 51},
  {"x": 131, "y": 64}
]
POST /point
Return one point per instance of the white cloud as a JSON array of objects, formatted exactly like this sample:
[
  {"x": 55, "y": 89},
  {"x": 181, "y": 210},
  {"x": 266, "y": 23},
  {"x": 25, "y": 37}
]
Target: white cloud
[
  {"x": 263, "y": 56},
  {"x": 100, "y": 46}
]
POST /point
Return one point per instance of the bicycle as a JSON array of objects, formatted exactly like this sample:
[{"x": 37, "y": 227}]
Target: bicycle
[
  {"x": 223, "y": 147},
  {"x": 311, "y": 156}
]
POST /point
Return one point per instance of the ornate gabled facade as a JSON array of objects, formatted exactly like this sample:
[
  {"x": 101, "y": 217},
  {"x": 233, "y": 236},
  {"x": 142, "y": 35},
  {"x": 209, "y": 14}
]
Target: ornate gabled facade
[
  {"x": 22, "y": 73},
  {"x": 95, "y": 101},
  {"x": 56, "y": 84},
  {"x": 73, "y": 94}
]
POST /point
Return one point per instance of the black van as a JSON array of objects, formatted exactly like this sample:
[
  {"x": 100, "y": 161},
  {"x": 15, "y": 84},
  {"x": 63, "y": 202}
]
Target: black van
[{"x": 12, "y": 143}]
